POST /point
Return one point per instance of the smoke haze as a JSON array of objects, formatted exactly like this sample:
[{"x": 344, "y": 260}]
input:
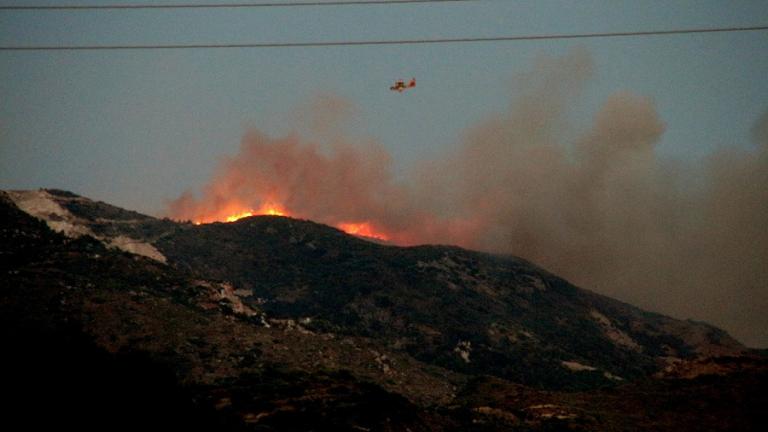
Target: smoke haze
[{"x": 599, "y": 207}]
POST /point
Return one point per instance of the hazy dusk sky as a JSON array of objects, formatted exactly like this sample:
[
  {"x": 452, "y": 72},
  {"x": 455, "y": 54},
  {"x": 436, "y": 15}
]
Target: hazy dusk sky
[{"x": 137, "y": 128}]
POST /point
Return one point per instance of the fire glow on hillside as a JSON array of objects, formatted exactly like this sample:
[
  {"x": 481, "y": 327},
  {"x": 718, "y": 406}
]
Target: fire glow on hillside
[
  {"x": 361, "y": 229},
  {"x": 266, "y": 209},
  {"x": 234, "y": 211}
]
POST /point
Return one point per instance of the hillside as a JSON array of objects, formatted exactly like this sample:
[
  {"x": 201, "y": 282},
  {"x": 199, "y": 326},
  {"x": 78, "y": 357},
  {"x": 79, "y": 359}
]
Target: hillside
[{"x": 282, "y": 324}]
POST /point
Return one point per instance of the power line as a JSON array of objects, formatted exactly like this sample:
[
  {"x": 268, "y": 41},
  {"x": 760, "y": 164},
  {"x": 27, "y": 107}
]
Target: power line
[
  {"x": 383, "y": 42},
  {"x": 225, "y": 5}
]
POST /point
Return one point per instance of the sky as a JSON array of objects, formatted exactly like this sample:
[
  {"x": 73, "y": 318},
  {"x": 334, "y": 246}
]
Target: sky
[{"x": 139, "y": 128}]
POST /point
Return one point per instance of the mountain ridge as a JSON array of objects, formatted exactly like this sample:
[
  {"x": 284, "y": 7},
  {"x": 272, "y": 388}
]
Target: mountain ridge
[
  {"x": 292, "y": 305},
  {"x": 321, "y": 286}
]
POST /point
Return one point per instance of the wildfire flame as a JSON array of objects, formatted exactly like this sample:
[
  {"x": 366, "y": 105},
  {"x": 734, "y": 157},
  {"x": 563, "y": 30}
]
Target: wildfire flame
[
  {"x": 239, "y": 216},
  {"x": 362, "y": 229}
]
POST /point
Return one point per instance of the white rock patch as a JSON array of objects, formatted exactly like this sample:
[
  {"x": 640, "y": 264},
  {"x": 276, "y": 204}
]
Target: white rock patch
[
  {"x": 576, "y": 366},
  {"x": 41, "y": 205},
  {"x": 614, "y": 334},
  {"x": 463, "y": 349},
  {"x": 136, "y": 247},
  {"x": 227, "y": 292}
]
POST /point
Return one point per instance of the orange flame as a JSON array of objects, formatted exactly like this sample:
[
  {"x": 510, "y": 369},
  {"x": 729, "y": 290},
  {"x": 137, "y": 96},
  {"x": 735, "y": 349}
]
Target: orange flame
[
  {"x": 234, "y": 212},
  {"x": 268, "y": 209},
  {"x": 362, "y": 229},
  {"x": 239, "y": 216}
]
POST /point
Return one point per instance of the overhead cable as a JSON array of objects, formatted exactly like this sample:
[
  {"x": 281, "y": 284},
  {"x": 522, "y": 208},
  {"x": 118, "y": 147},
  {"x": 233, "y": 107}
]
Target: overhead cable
[
  {"x": 380, "y": 42},
  {"x": 74, "y": 7}
]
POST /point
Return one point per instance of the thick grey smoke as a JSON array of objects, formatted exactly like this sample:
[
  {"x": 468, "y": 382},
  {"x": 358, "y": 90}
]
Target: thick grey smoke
[{"x": 599, "y": 207}]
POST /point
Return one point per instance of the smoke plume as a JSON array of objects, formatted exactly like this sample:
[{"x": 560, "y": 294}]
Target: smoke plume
[{"x": 599, "y": 207}]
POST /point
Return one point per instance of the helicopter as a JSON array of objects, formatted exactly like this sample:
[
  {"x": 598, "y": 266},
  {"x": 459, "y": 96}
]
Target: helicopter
[{"x": 401, "y": 86}]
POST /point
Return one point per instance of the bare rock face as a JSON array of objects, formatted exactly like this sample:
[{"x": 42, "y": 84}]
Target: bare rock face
[
  {"x": 272, "y": 323},
  {"x": 53, "y": 207}
]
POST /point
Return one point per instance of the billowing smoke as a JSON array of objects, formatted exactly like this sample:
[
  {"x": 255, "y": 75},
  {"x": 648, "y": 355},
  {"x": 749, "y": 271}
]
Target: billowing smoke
[{"x": 599, "y": 207}]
